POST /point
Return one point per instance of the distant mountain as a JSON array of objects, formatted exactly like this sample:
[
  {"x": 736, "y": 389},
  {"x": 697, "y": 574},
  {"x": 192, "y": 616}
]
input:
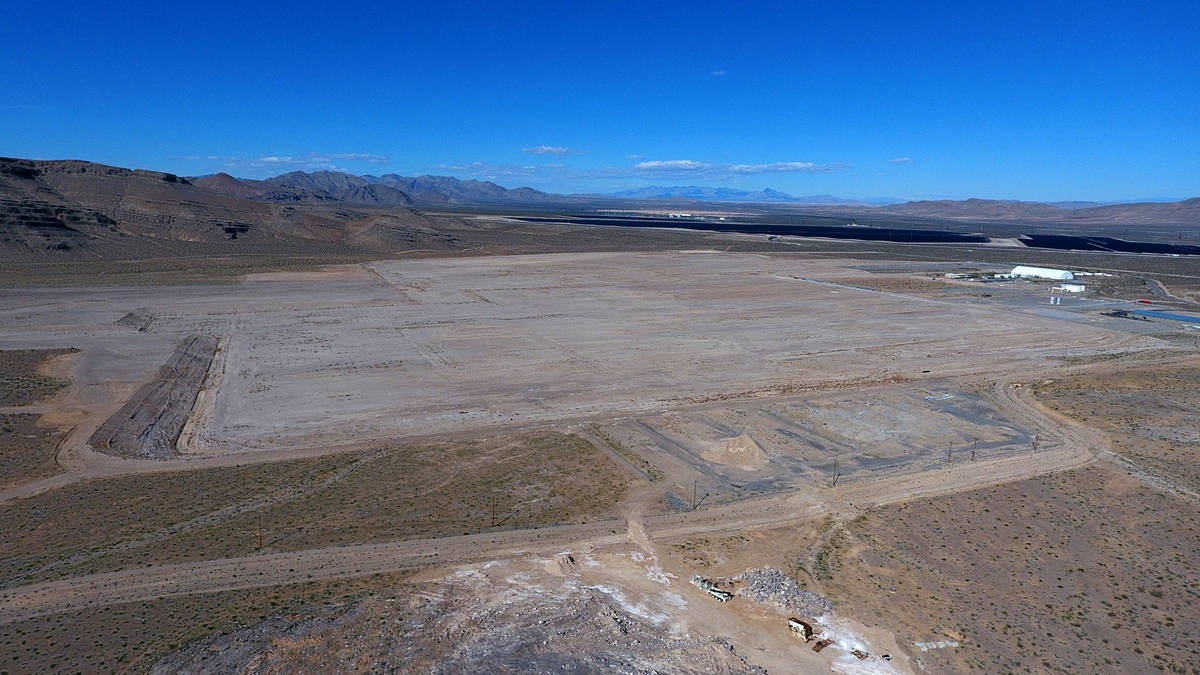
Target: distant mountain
[
  {"x": 1186, "y": 212},
  {"x": 1176, "y": 213},
  {"x": 983, "y": 209},
  {"x": 387, "y": 190},
  {"x": 1075, "y": 204},
  {"x": 713, "y": 194},
  {"x": 448, "y": 190},
  {"x": 342, "y": 187}
]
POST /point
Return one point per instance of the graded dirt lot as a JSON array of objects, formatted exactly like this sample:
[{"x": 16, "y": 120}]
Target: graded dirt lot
[
  {"x": 435, "y": 346},
  {"x": 535, "y": 440}
]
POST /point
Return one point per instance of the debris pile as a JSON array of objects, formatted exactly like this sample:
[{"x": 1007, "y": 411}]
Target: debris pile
[{"x": 775, "y": 586}]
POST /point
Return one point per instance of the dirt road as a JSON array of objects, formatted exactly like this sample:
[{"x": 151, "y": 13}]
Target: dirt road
[{"x": 339, "y": 562}]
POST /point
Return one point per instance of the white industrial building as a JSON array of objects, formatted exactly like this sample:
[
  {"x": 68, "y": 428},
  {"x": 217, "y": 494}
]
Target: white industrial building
[
  {"x": 1070, "y": 288},
  {"x": 1041, "y": 273}
]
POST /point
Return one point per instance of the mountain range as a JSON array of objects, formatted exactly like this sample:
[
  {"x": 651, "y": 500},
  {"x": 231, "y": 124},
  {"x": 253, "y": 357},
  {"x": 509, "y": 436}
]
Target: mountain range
[
  {"x": 386, "y": 190},
  {"x": 49, "y": 207},
  {"x": 719, "y": 194}
]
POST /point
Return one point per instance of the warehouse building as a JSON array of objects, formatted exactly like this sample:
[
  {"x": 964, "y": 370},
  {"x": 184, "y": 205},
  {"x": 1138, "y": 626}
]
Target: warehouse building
[{"x": 1041, "y": 273}]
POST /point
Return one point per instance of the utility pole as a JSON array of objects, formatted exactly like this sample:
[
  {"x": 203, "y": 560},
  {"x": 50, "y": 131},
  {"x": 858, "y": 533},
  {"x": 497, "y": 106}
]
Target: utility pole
[
  {"x": 949, "y": 450},
  {"x": 693, "y": 495},
  {"x": 1035, "y": 442}
]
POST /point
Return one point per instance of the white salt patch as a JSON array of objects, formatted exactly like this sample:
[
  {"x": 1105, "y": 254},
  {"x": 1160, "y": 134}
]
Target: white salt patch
[
  {"x": 846, "y": 640},
  {"x": 634, "y": 608},
  {"x": 656, "y": 573},
  {"x": 940, "y": 644}
]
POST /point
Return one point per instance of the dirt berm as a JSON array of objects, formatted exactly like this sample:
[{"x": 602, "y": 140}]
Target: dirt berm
[{"x": 150, "y": 421}]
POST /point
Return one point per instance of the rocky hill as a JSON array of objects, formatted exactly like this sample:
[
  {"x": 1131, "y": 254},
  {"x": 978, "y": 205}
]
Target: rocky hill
[{"x": 66, "y": 209}]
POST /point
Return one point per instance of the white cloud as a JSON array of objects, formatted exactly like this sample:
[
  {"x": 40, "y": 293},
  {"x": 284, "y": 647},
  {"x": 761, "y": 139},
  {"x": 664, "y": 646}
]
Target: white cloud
[
  {"x": 775, "y": 167},
  {"x": 634, "y": 156},
  {"x": 901, "y": 160},
  {"x": 671, "y": 165},
  {"x": 486, "y": 169},
  {"x": 559, "y": 177},
  {"x": 551, "y": 150},
  {"x": 309, "y": 161},
  {"x": 718, "y": 73},
  {"x": 694, "y": 166}
]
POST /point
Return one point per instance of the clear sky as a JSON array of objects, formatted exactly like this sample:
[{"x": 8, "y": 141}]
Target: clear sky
[{"x": 1041, "y": 100}]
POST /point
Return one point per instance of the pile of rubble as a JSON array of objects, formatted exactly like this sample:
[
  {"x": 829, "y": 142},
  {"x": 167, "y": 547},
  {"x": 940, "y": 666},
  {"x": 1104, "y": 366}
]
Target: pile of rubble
[{"x": 775, "y": 586}]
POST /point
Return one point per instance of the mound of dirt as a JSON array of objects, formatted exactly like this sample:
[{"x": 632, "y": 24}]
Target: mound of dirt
[{"x": 741, "y": 451}]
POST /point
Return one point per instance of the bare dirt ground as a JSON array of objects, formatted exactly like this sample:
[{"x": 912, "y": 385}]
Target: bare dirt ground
[{"x": 366, "y": 419}]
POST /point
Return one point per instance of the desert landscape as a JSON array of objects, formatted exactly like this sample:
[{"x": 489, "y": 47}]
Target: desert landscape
[
  {"x": 784, "y": 338},
  {"x": 471, "y": 461}
]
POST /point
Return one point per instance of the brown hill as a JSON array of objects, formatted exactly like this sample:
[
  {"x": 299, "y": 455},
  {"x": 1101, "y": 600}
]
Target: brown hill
[
  {"x": 70, "y": 208},
  {"x": 982, "y": 209},
  {"x": 1185, "y": 212}
]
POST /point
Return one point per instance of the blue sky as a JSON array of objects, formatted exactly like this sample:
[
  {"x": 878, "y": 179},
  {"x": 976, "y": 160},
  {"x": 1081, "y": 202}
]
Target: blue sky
[{"x": 1039, "y": 100}]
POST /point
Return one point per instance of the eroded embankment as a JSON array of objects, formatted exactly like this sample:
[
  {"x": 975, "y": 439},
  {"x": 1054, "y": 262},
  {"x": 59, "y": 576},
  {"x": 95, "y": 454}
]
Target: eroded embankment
[{"x": 149, "y": 423}]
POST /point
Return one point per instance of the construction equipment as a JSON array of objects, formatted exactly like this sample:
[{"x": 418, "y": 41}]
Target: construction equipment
[
  {"x": 802, "y": 629},
  {"x": 709, "y": 587},
  {"x": 822, "y": 644}
]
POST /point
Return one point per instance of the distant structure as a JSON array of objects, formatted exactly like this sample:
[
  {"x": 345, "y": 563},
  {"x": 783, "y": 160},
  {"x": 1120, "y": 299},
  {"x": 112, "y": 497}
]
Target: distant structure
[
  {"x": 1041, "y": 273},
  {"x": 1070, "y": 288}
]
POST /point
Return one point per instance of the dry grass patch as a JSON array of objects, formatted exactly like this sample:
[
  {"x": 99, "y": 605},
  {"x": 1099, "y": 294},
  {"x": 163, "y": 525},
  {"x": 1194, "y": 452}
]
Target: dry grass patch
[
  {"x": 897, "y": 284},
  {"x": 428, "y": 490},
  {"x": 20, "y": 382},
  {"x": 394, "y": 493},
  {"x": 101, "y": 513},
  {"x": 1085, "y": 571},
  {"x": 26, "y": 449},
  {"x": 132, "y": 637},
  {"x": 1152, "y": 416}
]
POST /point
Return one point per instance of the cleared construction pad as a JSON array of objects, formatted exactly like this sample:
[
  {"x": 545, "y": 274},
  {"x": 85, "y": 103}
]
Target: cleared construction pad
[{"x": 432, "y": 346}]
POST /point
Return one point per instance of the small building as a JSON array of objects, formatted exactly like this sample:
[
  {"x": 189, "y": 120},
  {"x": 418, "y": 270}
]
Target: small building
[
  {"x": 1069, "y": 288},
  {"x": 1041, "y": 273}
]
